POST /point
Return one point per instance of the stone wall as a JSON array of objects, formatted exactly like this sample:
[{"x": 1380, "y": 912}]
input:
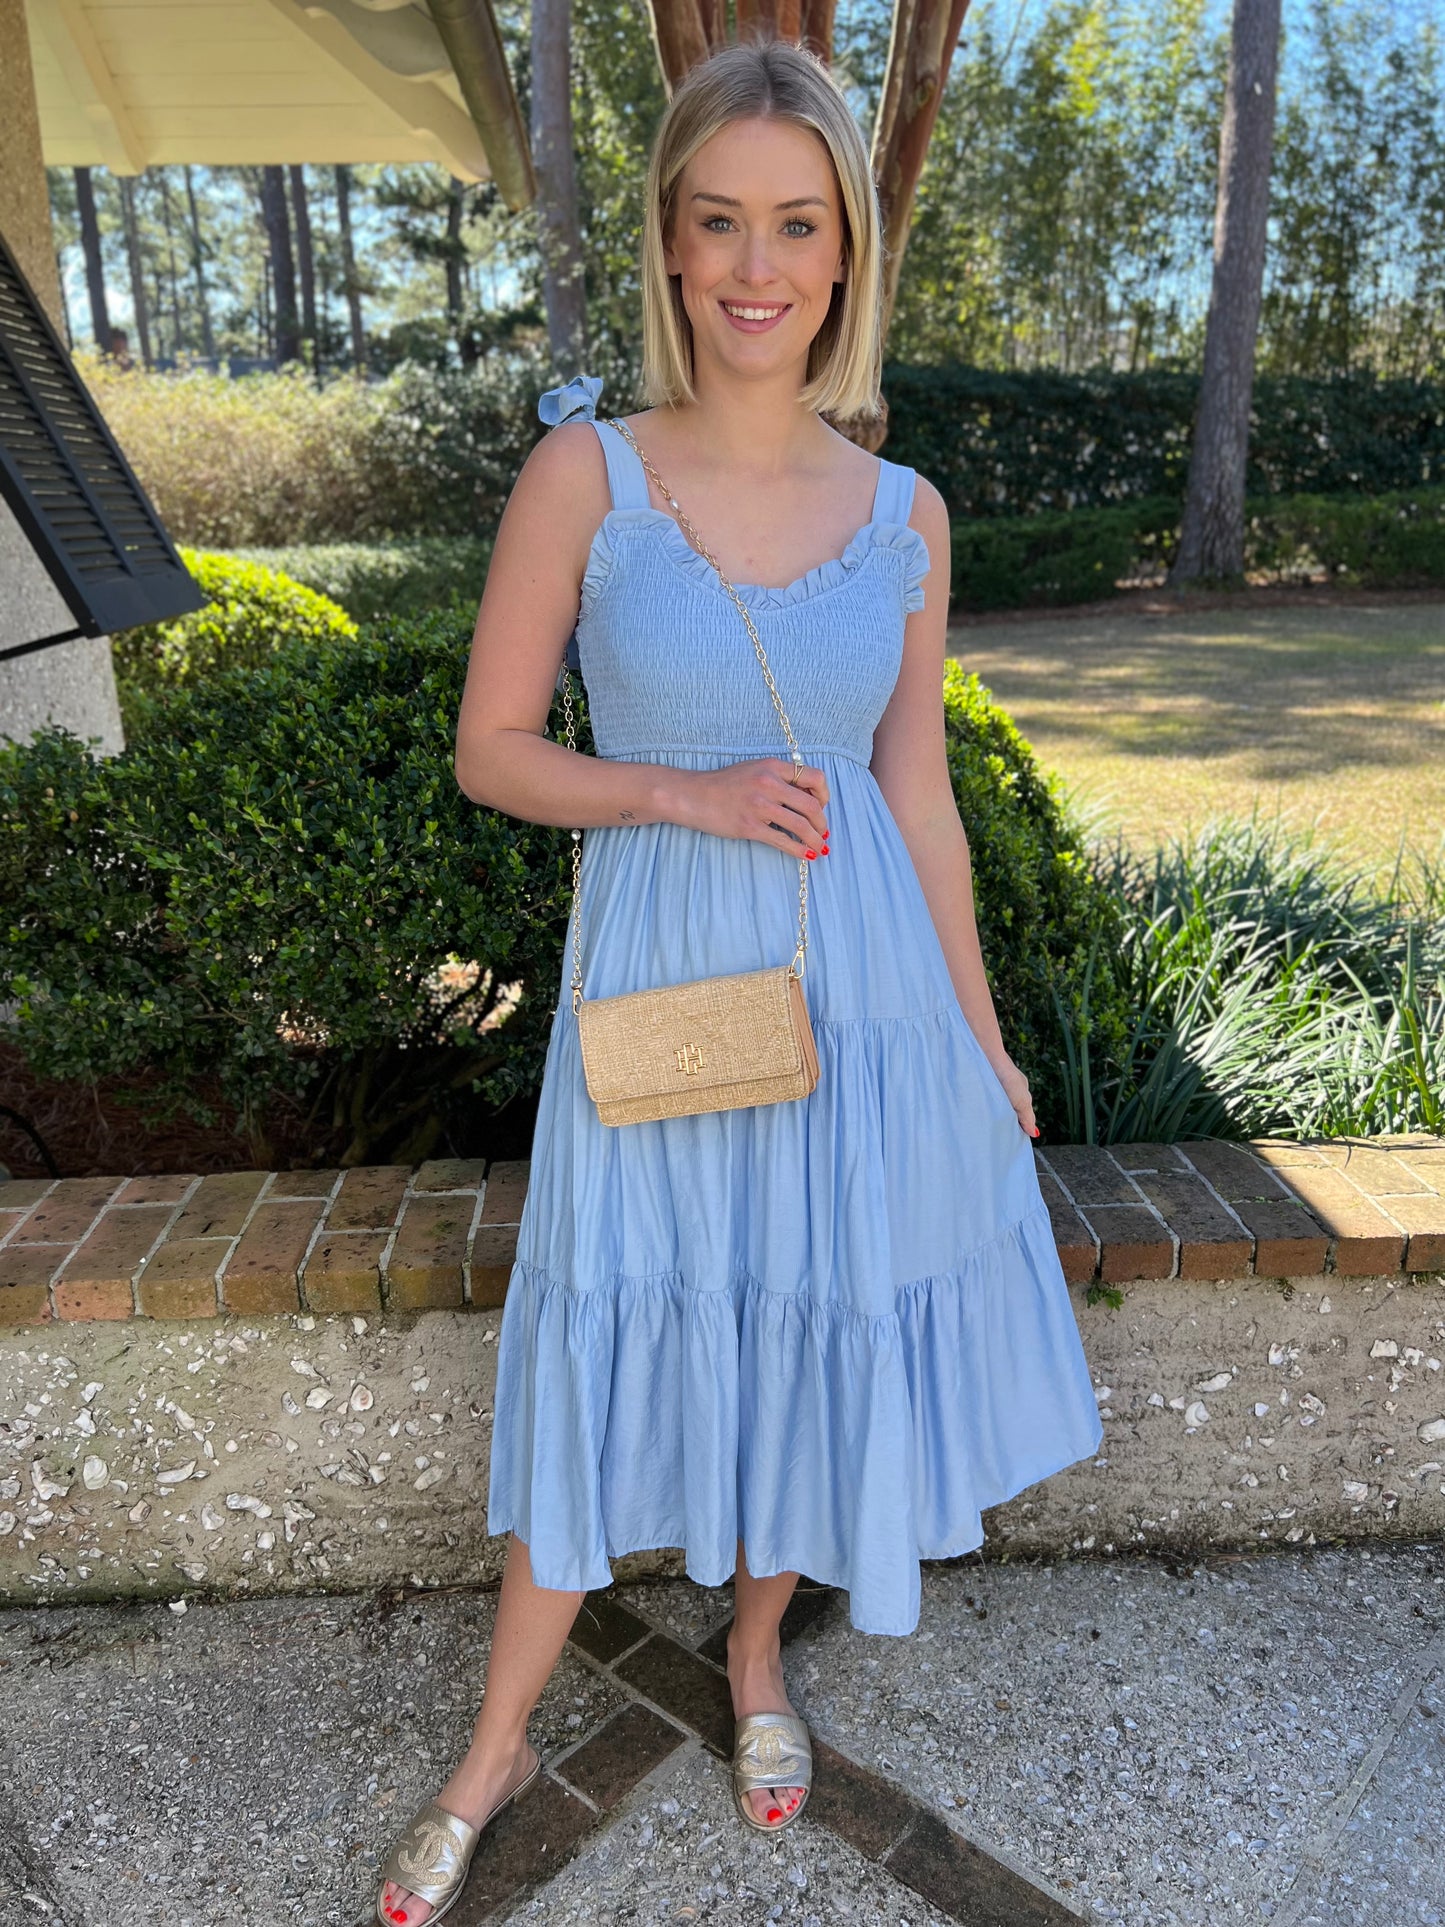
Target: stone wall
[{"x": 284, "y": 1381}]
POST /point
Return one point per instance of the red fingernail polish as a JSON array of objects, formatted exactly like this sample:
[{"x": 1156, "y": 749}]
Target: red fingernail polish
[{"x": 810, "y": 853}]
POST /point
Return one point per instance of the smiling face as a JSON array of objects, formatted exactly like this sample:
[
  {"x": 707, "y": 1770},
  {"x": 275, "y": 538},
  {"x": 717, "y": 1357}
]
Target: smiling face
[{"x": 758, "y": 239}]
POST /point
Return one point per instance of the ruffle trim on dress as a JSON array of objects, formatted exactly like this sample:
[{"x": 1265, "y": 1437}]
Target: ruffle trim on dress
[
  {"x": 860, "y": 1444},
  {"x": 888, "y": 539}
]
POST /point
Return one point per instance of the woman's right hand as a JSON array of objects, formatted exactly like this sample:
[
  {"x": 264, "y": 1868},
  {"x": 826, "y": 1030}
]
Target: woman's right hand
[{"x": 759, "y": 800}]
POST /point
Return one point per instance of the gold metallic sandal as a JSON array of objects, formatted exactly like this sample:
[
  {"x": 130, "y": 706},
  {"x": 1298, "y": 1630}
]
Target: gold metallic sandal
[
  {"x": 770, "y": 1749},
  {"x": 432, "y": 1857}
]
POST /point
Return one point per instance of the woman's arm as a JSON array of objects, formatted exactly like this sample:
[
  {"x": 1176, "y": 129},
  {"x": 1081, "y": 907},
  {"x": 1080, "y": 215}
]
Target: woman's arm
[
  {"x": 910, "y": 764},
  {"x": 528, "y": 609}
]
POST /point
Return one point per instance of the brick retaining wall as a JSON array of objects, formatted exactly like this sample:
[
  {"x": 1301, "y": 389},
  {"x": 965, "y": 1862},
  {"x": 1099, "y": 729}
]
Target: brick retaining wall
[
  {"x": 386, "y": 1237},
  {"x": 301, "y": 1393}
]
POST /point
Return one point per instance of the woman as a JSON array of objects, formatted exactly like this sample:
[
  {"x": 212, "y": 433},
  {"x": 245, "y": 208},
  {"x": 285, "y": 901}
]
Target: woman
[{"x": 813, "y": 1335}]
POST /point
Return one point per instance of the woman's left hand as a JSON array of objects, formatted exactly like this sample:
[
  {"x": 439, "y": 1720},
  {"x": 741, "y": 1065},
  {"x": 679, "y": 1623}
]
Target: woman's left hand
[{"x": 1017, "y": 1087}]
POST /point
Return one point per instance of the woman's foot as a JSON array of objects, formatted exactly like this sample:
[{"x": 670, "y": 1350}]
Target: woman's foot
[
  {"x": 757, "y": 1686},
  {"x": 471, "y": 1793}
]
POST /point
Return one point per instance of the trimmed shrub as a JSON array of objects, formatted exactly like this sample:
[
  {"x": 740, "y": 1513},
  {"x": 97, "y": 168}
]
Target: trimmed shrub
[
  {"x": 1380, "y": 542},
  {"x": 375, "y": 580},
  {"x": 996, "y": 443},
  {"x": 253, "y": 610},
  {"x": 287, "y": 890},
  {"x": 1039, "y": 907},
  {"x": 1030, "y": 561}
]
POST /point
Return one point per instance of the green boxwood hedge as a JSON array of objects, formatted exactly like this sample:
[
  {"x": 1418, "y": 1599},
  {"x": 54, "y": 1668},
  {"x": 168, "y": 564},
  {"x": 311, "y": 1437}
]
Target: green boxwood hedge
[
  {"x": 371, "y": 581},
  {"x": 250, "y": 613},
  {"x": 281, "y": 888}
]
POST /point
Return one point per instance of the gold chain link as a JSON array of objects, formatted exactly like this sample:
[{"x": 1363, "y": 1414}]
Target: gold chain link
[{"x": 796, "y": 754}]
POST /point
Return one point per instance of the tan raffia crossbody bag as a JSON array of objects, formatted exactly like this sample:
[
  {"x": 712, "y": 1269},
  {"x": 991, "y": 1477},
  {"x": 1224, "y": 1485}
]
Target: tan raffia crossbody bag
[{"x": 716, "y": 1043}]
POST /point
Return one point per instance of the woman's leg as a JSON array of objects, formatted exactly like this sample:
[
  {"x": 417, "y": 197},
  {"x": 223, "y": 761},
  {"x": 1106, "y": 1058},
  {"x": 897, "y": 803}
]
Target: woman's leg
[
  {"x": 531, "y": 1629},
  {"x": 755, "y": 1667}
]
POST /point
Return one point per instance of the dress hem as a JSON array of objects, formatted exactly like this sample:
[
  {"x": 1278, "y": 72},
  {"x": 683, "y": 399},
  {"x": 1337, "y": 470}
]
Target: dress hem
[{"x": 1050, "y": 1468}]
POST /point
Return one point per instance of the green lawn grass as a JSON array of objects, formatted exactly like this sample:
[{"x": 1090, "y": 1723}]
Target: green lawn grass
[{"x": 1331, "y": 717}]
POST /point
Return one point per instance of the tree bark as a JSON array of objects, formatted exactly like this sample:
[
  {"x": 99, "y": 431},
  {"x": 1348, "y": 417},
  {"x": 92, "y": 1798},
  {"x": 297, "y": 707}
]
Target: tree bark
[
  {"x": 305, "y": 256},
  {"x": 920, "y": 52},
  {"x": 1211, "y": 536},
  {"x": 94, "y": 264},
  {"x": 203, "y": 298},
  {"x": 177, "y": 325},
  {"x": 283, "y": 265},
  {"x": 138, "y": 299},
  {"x": 564, "y": 289},
  {"x": 348, "y": 269}
]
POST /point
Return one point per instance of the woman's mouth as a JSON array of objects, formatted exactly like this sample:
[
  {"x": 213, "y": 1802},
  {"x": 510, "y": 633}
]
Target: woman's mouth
[{"x": 755, "y": 317}]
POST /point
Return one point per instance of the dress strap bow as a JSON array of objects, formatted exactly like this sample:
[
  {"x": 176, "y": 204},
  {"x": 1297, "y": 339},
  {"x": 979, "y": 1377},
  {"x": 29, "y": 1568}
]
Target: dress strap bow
[{"x": 574, "y": 400}]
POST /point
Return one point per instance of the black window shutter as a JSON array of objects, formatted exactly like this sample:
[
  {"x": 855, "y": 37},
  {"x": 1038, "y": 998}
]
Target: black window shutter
[{"x": 69, "y": 487}]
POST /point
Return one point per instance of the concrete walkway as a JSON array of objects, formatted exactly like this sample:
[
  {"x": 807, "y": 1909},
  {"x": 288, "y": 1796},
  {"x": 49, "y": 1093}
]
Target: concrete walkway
[{"x": 1243, "y": 1738}]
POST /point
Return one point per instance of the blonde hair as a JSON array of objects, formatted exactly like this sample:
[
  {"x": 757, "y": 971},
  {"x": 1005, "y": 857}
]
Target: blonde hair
[{"x": 774, "y": 79}]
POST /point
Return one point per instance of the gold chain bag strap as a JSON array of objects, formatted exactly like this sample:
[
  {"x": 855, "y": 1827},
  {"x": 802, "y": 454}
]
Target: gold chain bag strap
[{"x": 716, "y": 1043}]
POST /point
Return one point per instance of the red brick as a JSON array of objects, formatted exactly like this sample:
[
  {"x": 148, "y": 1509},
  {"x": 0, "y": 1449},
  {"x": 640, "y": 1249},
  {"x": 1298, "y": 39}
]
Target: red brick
[
  {"x": 1283, "y": 1153},
  {"x": 217, "y": 1207},
  {"x": 1078, "y": 1249},
  {"x": 8, "y": 1222},
  {"x": 1233, "y": 1170},
  {"x": 302, "y": 1184},
  {"x": 450, "y": 1174},
  {"x": 67, "y": 1211},
  {"x": 494, "y": 1251},
  {"x": 161, "y": 1190},
  {"x": 369, "y": 1198},
  {"x": 506, "y": 1191},
  {"x": 1365, "y": 1240},
  {"x": 1132, "y": 1243},
  {"x": 1379, "y": 1174},
  {"x": 1424, "y": 1220},
  {"x": 112, "y": 1253},
  {"x": 343, "y": 1272},
  {"x": 18, "y": 1194},
  {"x": 1090, "y": 1175},
  {"x": 261, "y": 1275},
  {"x": 1132, "y": 1158},
  {"x": 1212, "y": 1241},
  {"x": 1288, "y": 1242},
  {"x": 96, "y": 1281},
  {"x": 25, "y": 1274},
  {"x": 180, "y": 1281},
  {"x": 1427, "y": 1163},
  {"x": 425, "y": 1268}
]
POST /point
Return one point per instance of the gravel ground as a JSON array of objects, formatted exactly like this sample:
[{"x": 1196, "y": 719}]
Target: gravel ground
[{"x": 1247, "y": 1739}]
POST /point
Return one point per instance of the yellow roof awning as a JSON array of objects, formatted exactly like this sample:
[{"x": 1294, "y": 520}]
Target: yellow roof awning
[{"x": 224, "y": 82}]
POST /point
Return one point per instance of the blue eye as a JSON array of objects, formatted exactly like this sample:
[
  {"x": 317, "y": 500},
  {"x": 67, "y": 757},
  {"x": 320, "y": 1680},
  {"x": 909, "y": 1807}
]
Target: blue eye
[{"x": 797, "y": 221}]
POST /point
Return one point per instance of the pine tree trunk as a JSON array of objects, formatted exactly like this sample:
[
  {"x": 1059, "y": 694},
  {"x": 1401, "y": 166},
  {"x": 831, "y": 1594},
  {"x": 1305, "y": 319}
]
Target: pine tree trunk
[
  {"x": 1211, "y": 537},
  {"x": 283, "y": 265},
  {"x": 455, "y": 264},
  {"x": 203, "y": 299},
  {"x": 563, "y": 287},
  {"x": 305, "y": 257},
  {"x": 348, "y": 268},
  {"x": 94, "y": 265},
  {"x": 137, "y": 268}
]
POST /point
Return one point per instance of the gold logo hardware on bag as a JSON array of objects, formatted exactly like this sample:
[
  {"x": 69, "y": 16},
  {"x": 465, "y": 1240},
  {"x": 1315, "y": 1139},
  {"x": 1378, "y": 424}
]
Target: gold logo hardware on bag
[{"x": 716, "y": 1043}]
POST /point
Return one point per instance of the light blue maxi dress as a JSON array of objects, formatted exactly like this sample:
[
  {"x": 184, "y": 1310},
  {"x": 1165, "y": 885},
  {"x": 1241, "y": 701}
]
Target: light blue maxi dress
[{"x": 836, "y": 1327}]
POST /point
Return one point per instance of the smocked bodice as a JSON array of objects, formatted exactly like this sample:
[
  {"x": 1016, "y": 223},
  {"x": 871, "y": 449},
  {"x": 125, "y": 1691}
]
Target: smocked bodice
[{"x": 667, "y": 661}]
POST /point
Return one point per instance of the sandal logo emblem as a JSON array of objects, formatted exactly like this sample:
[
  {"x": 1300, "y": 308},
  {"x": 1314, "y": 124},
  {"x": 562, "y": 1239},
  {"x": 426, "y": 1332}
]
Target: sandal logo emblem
[
  {"x": 689, "y": 1059},
  {"x": 770, "y": 1749},
  {"x": 430, "y": 1853}
]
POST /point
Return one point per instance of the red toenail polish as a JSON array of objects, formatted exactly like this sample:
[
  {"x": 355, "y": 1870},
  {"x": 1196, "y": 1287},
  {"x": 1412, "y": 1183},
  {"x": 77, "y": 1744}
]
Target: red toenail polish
[{"x": 775, "y": 1813}]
